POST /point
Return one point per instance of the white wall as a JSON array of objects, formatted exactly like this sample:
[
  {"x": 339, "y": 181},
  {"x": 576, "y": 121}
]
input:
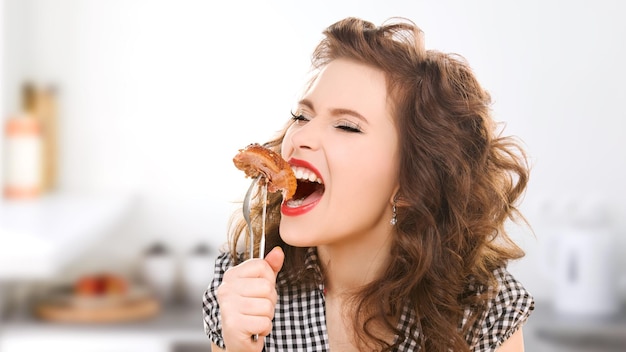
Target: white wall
[{"x": 157, "y": 96}]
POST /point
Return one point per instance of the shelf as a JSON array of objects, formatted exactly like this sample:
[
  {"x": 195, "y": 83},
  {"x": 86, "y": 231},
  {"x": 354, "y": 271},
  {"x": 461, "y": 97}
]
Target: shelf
[{"x": 38, "y": 237}]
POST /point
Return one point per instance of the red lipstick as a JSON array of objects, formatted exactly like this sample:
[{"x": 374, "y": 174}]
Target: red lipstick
[{"x": 313, "y": 199}]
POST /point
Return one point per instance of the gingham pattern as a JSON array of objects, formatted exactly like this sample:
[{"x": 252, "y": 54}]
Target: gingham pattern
[{"x": 300, "y": 325}]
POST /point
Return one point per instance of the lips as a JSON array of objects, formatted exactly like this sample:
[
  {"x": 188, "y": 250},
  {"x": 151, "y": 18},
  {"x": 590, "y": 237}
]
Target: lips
[{"x": 309, "y": 191}]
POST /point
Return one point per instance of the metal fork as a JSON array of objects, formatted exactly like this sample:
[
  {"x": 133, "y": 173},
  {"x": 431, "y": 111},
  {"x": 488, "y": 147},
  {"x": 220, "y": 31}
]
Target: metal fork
[
  {"x": 263, "y": 216},
  {"x": 246, "y": 216},
  {"x": 246, "y": 213}
]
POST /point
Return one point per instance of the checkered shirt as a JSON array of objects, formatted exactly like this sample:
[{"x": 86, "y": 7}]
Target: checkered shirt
[{"x": 300, "y": 318}]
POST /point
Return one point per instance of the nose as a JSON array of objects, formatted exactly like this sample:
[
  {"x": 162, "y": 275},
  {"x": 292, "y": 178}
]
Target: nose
[{"x": 305, "y": 136}]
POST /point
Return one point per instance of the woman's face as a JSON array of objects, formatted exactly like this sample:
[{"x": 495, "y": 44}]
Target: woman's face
[{"x": 344, "y": 140}]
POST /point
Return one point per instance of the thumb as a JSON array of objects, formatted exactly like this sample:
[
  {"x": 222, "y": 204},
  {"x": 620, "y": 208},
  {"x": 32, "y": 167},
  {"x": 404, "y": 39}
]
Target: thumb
[{"x": 275, "y": 259}]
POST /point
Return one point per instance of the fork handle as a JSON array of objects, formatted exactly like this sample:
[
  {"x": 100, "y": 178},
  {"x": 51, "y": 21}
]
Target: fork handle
[
  {"x": 263, "y": 218},
  {"x": 251, "y": 242}
]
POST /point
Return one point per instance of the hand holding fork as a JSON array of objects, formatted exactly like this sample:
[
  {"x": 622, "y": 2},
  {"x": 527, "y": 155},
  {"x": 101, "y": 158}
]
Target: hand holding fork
[
  {"x": 246, "y": 215},
  {"x": 243, "y": 296}
]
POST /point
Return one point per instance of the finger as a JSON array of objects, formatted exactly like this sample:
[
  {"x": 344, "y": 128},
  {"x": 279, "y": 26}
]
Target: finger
[
  {"x": 244, "y": 327},
  {"x": 250, "y": 268},
  {"x": 275, "y": 258},
  {"x": 261, "y": 326},
  {"x": 261, "y": 307},
  {"x": 247, "y": 288},
  {"x": 239, "y": 336}
]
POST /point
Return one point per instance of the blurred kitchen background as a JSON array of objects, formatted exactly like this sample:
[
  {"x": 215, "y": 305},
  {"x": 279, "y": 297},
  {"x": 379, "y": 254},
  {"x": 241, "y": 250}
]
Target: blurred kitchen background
[{"x": 121, "y": 117}]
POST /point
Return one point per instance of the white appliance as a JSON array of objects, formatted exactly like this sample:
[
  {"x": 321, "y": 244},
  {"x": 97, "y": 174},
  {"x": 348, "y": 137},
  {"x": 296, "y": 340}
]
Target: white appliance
[
  {"x": 584, "y": 272},
  {"x": 581, "y": 261}
]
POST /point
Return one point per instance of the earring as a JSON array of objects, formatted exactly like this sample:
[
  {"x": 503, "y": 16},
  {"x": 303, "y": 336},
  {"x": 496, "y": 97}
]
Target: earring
[{"x": 394, "y": 217}]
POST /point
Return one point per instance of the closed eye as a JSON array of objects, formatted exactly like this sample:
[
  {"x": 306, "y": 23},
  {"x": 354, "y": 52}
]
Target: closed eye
[
  {"x": 299, "y": 118},
  {"x": 349, "y": 127}
]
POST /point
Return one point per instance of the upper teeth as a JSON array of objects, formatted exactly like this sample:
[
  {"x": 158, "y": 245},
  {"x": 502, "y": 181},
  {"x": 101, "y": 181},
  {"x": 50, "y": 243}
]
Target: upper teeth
[{"x": 305, "y": 174}]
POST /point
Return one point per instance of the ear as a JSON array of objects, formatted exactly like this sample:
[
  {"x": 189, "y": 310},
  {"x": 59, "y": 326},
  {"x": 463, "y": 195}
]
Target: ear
[
  {"x": 394, "y": 195},
  {"x": 398, "y": 199}
]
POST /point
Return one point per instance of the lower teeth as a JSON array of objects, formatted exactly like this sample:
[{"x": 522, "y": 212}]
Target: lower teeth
[{"x": 295, "y": 202}]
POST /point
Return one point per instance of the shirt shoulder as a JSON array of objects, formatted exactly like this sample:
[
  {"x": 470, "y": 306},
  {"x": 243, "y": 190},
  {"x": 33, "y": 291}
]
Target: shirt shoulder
[{"x": 506, "y": 312}]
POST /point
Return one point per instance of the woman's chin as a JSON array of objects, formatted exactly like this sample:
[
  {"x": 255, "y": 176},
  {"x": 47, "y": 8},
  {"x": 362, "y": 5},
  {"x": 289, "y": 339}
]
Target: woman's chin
[
  {"x": 293, "y": 237},
  {"x": 294, "y": 241}
]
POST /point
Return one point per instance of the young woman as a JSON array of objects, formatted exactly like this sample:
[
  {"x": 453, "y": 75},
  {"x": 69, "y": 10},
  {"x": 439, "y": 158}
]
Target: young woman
[{"x": 395, "y": 239}]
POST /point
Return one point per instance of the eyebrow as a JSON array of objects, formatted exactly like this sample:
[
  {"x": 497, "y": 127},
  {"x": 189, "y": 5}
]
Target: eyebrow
[{"x": 335, "y": 111}]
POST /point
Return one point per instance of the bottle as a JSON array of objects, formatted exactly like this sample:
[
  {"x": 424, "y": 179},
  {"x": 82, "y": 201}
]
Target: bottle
[
  {"x": 22, "y": 164},
  {"x": 43, "y": 108}
]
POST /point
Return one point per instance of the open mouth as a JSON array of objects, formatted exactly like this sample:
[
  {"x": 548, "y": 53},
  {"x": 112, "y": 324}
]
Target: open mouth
[{"x": 310, "y": 188}]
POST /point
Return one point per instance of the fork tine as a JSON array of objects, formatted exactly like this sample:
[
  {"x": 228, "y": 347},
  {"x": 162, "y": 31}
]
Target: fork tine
[{"x": 246, "y": 213}]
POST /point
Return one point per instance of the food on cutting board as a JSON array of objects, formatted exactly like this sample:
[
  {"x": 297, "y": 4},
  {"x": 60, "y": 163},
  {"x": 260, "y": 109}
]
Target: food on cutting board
[
  {"x": 101, "y": 285},
  {"x": 98, "y": 298},
  {"x": 256, "y": 159}
]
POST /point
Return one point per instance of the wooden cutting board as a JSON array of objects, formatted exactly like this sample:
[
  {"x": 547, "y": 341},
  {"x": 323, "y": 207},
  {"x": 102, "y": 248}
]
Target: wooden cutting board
[{"x": 74, "y": 309}]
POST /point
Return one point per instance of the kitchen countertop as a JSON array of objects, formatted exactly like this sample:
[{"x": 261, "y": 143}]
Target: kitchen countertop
[
  {"x": 176, "y": 327},
  {"x": 181, "y": 318},
  {"x": 545, "y": 330}
]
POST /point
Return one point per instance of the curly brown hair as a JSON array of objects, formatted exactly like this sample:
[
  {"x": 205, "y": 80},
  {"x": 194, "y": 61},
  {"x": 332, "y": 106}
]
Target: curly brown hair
[{"x": 459, "y": 181}]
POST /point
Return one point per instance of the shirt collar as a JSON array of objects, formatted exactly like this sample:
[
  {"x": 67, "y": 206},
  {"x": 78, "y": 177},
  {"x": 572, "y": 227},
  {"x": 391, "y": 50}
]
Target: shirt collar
[{"x": 311, "y": 264}]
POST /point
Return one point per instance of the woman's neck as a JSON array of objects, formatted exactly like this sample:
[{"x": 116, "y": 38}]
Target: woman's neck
[{"x": 350, "y": 265}]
